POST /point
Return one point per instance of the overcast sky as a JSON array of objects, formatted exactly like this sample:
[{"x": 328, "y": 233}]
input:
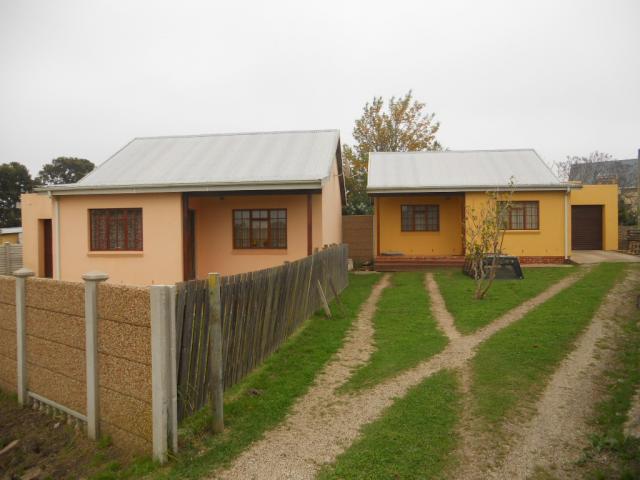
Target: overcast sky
[{"x": 81, "y": 78}]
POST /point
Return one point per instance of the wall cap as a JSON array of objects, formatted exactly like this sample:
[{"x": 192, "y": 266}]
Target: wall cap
[
  {"x": 95, "y": 277},
  {"x": 23, "y": 273}
]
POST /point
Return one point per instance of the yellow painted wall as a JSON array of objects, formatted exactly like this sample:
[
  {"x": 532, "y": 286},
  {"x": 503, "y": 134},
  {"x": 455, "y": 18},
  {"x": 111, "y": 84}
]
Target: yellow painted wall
[
  {"x": 35, "y": 207},
  {"x": 448, "y": 241},
  {"x": 607, "y": 196},
  {"x": 548, "y": 240},
  {"x": 9, "y": 238},
  {"x": 160, "y": 262}
]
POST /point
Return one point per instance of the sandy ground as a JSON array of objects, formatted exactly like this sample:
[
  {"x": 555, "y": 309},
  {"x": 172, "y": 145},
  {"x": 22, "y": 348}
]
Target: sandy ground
[
  {"x": 273, "y": 457},
  {"x": 438, "y": 307},
  {"x": 322, "y": 424},
  {"x": 555, "y": 437}
]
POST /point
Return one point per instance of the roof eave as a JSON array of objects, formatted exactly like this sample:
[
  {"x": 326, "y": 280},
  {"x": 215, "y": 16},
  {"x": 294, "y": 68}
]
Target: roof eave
[
  {"x": 59, "y": 190},
  {"x": 479, "y": 188}
]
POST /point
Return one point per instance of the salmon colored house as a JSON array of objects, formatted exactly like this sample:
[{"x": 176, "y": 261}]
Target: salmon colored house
[
  {"x": 165, "y": 209},
  {"x": 420, "y": 200}
]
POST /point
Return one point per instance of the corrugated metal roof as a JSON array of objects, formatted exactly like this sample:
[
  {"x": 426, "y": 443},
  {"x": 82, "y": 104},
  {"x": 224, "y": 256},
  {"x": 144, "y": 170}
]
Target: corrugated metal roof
[
  {"x": 458, "y": 171},
  {"x": 260, "y": 158}
]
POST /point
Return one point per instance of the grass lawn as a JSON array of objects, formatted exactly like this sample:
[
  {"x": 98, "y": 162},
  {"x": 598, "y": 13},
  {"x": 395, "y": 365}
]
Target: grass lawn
[
  {"x": 413, "y": 438},
  {"x": 261, "y": 400},
  {"x": 405, "y": 331},
  {"x": 511, "y": 367},
  {"x": 471, "y": 314}
]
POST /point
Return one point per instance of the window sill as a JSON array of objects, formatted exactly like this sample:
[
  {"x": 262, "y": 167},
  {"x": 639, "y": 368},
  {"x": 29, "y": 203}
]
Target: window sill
[
  {"x": 258, "y": 251},
  {"x": 523, "y": 231},
  {"x": 115, "y": 253}
]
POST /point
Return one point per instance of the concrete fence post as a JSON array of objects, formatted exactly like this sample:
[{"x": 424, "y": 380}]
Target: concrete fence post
[
  {"x": 173, "y": 372},
  {"x": 163, "y": 358},
  {"x": 91, "y": 281},
  {"x": 216, "y": 380},
  {"x": 21, "y": 332}
]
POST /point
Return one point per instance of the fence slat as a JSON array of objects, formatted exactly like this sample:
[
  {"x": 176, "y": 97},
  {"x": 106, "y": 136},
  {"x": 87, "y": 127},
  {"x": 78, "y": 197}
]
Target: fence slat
[{"x": 259, "y": 311}]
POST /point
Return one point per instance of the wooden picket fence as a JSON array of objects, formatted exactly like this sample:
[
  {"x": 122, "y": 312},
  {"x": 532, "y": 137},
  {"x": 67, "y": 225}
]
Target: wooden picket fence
[
  {"x": 259, "y": 311},
  {"x": 10, "y": 258}
]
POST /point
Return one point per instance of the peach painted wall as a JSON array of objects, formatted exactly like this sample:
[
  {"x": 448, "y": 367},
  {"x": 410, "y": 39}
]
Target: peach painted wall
[
  {"x": 316, "y": 220},
  {"x": 214, "y": 232},
  {"x": 160, "y": 262},
  {"x": 332, "y": 208},
  {"x": 447, "y": 241},
  {"x": 35, "y": 207}
]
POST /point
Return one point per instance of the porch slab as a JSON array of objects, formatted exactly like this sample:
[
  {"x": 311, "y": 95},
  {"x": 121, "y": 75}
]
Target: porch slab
[
  {"x": 402, "y": 263},
  {"x": 599, "y": 256}
]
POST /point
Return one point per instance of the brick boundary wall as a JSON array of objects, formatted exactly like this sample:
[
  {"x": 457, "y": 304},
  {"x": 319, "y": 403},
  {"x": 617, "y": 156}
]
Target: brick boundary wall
[
  {"x": 8, "y": 367},
  {"x": 357, "y": 233},
  {"x": 623, "y": 244},
  {"x": 55, "y": 347},
  {"x": 124, "y": 348}
]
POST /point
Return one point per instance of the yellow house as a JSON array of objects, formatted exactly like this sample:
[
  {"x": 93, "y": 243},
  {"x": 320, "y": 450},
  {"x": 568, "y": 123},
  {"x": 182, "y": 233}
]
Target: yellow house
[
  {"x": 10, "y": 235},
  {"x": 165, "y": 209},
  {"x": 421, "y": 200}
]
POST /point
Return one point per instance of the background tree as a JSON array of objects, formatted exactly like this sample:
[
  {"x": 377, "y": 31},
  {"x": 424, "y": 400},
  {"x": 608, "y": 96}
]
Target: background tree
[
  {"x": 64, "y": 170},
  {"x": 404, "y": 126},
  {"x": 15, "y": 180},
  {"x": 591, "y": 167}
]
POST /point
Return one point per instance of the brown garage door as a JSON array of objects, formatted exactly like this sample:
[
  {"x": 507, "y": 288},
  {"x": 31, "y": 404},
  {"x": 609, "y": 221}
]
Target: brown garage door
[{"x": 586, "y": 227}]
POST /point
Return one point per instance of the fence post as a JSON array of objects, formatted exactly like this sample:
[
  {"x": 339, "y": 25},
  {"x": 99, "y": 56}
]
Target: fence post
[
  {"x": 161, "y": 370},
  {"x": 91, "y": 281},
  {"x": 21, "y": 331},
  {"x": 173, "y": 372},
  {"x": 215, "y": 353}
]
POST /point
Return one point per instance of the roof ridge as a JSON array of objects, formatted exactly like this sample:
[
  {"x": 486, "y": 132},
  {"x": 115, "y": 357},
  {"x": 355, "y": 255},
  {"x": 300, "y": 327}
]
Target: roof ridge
[{"x": 230, "y": 134}]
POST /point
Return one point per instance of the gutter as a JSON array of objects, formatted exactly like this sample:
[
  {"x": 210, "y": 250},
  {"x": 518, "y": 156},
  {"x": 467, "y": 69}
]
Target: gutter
[
  {"x": 463, "y": 188},
  {"x": 57, "y": 262},
  {"x": 178, "y": 187}
]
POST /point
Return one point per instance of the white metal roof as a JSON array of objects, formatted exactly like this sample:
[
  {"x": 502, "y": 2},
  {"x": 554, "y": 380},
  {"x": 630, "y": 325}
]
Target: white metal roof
[
  {"x": 258, "y": 161},
  {"x": 467, "y": 170}
]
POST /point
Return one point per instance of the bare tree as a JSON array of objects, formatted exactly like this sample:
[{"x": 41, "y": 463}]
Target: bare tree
[
  {"x": 485, "y": 226},
  {"x": 589, "y": 169}
]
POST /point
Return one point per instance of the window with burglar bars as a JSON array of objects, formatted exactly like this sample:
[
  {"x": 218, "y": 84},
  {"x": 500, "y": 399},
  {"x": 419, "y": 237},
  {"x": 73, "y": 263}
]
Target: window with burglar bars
[
  {"x": 523, "y": 216},
  {"x": 116, "y": 229},
  {"x": 420, "y": 218},
  {"x": 260, "y": 228}
]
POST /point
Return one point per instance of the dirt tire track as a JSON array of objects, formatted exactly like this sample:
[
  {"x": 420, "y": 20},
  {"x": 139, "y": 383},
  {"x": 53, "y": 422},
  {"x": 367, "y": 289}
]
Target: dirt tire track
[
  {"x": 323, "y": 425},
  {"x": 292, "y": 435},
  {"x": 556, "y": 436},
  {"x": 439, "y": 308}
]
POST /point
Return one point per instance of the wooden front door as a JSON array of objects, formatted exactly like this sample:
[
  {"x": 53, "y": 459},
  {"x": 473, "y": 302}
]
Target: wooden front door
[
  {"x": 586, "y": 227},
  {"x": 47, "y": 248},
  {"x": 190, "y": 245}
]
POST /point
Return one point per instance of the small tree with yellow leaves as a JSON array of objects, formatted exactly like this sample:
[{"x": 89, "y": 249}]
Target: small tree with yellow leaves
[{"x": 485, "y": 226}]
